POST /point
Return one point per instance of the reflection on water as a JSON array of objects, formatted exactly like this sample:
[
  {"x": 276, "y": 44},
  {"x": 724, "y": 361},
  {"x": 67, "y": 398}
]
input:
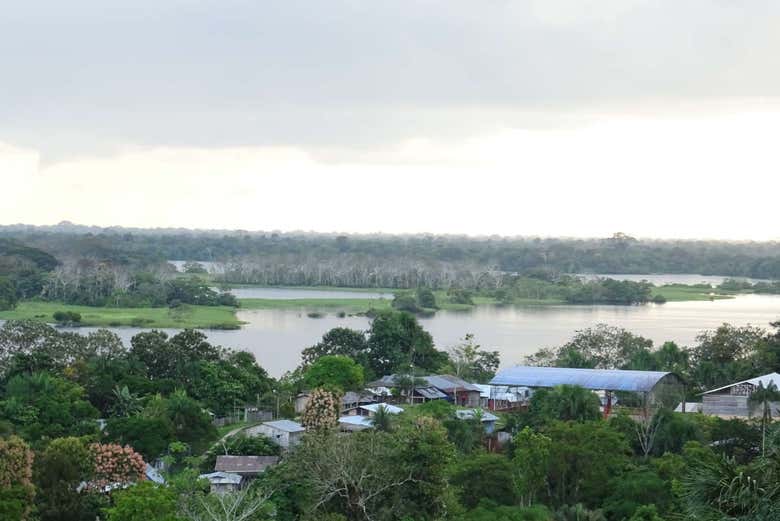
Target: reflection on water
[{"x": 276, "y": 337}]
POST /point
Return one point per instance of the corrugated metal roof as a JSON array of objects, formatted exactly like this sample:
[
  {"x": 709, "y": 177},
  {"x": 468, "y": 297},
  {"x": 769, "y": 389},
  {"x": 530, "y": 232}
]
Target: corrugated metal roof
[
  {"x": 244, "y": 464},
  {"x": 444, "y": 382},
  {"x": 771, "y": 377},
  {"x": 391, "y": 409},
  {"x": 467, "y": 414},
  {"x": 431, "y": 393},
  {"x": 285, "y": 425},
  {"x": 447, "y": 382},
  {"x": 222, "y": 478},
  {"x": 595, "y": 379}
]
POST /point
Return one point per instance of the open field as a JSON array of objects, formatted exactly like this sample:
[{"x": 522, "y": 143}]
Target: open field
[
  {"x": 680, "y": 293},
  {"x": 185, "y": 316}
]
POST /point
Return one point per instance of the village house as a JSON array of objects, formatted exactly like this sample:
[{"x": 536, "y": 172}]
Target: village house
[
  {"x": 350, "y": 400},
  {"x": 247, "y": 467},
  {"x": 488, "y": 420},
  {"x": 733, "y": 400},
  {"x": 435, "y": 387},
  {"x": 361, "y": 418},
  {"x": 222, "y": 482},
  {"x": 285, "y": 433}
]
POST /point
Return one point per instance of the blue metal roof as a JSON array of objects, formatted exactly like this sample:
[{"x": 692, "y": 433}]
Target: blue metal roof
[{"x": 595, "y": 379}]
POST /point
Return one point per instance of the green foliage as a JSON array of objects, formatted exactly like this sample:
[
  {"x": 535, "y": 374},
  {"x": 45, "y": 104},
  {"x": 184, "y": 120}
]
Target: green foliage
[
  {"x": 397, "y": 341},
  {"x": 564, "y": 402},
  {"x": 191, "y": 424},
  {"x": 424, "y": 450},
  {"x": 583, "y": 458},
  {"x": 44, "y": 407},
  {"x": 67, "y": 317},
  {"x": 632, "y": 490},
  {"x": 491, "y": 512},
  {"x": 8, "y": 298},
  {"x": 339, "y": 341},
  {"x": 334, "y": 371},
  {"x": 531, "y": 463},
  {"x": 148, "y": 436},
  {"x": 470, "y": 362},
  {"x": 485, "y": 476},
  {"x": 145, "y": 501},
  {"x": 59, "y": 470},
  {"x": 438, "y": 409}
]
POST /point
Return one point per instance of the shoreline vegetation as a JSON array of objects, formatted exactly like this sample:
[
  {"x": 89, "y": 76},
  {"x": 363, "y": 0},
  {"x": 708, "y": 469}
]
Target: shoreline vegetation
[{"x": 224, "y": 317}]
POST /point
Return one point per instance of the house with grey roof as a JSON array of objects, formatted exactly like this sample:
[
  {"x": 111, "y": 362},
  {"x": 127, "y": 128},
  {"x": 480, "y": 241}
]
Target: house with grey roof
[
  {"x": 245, "y": 466},
  {"x": 733, "y": 400},
  {"x": 285, "y": 433},
  {"x": 488, "y": 419},
  {"x": 222, "y": 482},
  {"x": 436, "y": 387}
]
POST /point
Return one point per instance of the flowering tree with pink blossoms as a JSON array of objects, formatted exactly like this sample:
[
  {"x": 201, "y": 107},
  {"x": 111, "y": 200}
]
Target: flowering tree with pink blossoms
[{"x": 116, "y": 466}]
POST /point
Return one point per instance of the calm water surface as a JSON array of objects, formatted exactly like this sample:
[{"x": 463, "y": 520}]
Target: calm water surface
[{"x": 276, "y": 337}]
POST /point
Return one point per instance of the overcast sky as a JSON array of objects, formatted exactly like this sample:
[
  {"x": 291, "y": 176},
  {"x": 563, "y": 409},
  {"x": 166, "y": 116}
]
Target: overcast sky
[{"x": 658, "y": 118}]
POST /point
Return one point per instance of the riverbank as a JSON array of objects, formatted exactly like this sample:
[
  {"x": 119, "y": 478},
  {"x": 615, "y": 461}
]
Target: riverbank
[
  {"x": 223, "y": 317},
  {"x": 181, "y": 317}
]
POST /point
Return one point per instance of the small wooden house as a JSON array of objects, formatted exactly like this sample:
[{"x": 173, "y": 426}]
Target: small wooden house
[
  {"x": 285, "y": 433},
  {"x": 733, "y": 400}
]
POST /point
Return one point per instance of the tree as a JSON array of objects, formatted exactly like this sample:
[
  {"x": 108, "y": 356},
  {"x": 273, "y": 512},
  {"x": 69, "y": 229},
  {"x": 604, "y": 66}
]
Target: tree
[
  {"x": 382, "y": 420},
  {"x": 115, "y": 465},
  {"x": 60, "y": 470},
  {"x": 248, "y": 504},
  {"x": 531, "y": 462},
  {"x": 358, "y": 475},
  {"x": 634, "y": 489},
  {"x": 125, "y": 403},
  {"x": 423, "y": 448},
  {"x": 583, "y": 457},
  {"x": 471, "y": 363},
  {"x": 724, "y": 355},
  {"x": 485, "y": 476},
  {"x": 567, "y": 402},
  {"x": 426, "y": 298},
  {"x": 764, "y": 396},
  {"x": 44, "y": 407},
  {"x": 191, "y": 424},
  {"x": 334, "y": 371},
  {"x": 397, "y": 341},
  {"x": 16, "y": 488},
  {"x": 148, "y": 436},
  {"x": 322, "y": 411},
  {"x": 8, "y": 298},
  {"x": 144, "y": 502},
  {"x": 339, "y": 341}
]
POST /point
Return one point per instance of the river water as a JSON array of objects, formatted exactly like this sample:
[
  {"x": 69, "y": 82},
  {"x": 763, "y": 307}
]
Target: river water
[{"x": 276, "y": 337}]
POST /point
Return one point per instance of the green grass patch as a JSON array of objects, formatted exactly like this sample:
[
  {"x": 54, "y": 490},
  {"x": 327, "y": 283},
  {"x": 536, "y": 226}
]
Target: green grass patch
[
  {"x": 185, "y": 316},
  {"x": 681, "y": 293},
  {"x": 316, "y": 304}
]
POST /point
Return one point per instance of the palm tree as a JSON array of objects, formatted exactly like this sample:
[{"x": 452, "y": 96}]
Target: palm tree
[
  {"x": 125, "y": 402},
  {"x": 382, "y": 420},
  {"x": 764, "y": 396}
]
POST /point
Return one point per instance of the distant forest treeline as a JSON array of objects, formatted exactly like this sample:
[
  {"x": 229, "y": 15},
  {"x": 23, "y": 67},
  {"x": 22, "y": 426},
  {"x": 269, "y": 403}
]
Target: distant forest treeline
[{"x": 398, "y": 261}]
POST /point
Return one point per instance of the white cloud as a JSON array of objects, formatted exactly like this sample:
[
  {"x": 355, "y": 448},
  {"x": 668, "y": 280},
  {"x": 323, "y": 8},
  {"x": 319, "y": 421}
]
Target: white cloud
[{"x": 677, "y": 175}]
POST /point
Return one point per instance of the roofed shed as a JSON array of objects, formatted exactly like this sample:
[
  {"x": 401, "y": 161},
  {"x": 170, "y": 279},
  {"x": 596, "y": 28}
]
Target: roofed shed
[{"x": 657, "y": 384}]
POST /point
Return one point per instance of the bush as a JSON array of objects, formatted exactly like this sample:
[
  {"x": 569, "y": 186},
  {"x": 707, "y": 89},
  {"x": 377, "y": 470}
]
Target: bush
[{"x": 67, "y": 317}]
